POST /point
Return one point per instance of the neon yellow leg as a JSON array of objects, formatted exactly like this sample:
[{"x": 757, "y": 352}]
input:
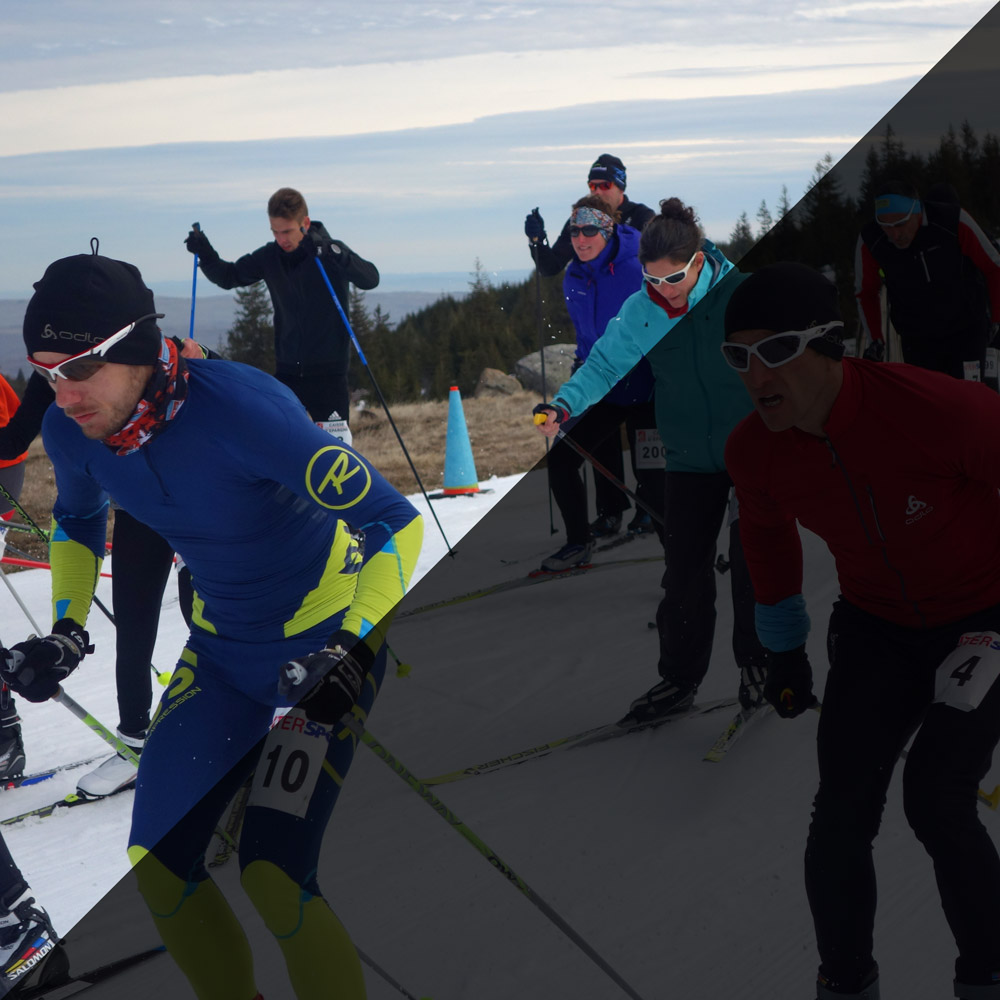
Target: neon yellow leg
[
  {"x": 322, "y": 962},
  {"x": 199, "y": 929}
]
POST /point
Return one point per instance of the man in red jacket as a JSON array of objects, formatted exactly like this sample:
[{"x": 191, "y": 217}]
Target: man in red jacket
[{"x": 911, "y": 516}]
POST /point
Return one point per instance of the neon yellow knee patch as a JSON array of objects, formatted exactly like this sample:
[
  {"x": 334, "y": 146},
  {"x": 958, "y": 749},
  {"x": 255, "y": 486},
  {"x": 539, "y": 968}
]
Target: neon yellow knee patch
[
  {"x": 321, "y": 959},
  {"x": 199, "y": 929}
]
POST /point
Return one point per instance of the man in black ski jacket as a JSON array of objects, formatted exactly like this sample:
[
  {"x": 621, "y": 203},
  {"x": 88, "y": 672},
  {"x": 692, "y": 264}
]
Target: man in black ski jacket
[
  {"x": 941, "y": 274},
  {"x": 311, "y": 342},
  {"x": 607, "y": 181}
]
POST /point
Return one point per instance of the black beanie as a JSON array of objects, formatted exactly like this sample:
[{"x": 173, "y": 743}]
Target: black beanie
[
  {"x": 83, "y": 300},
  {"x": 787, "y": 296},
  {"x": 608, "y": 168}
]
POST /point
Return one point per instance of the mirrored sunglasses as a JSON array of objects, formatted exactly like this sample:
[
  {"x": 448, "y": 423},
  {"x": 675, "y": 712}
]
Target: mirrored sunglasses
[
  {"x": 87, "y": 364},
  {"x": 776, "y": 350},
  {"x": 599, "y": 185},
  {"x": 670, "y": 279},
  {"x": 584, "y": 230}
]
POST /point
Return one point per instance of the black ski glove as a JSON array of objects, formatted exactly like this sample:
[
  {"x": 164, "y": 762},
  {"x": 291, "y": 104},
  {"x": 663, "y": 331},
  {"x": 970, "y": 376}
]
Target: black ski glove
[
  {"x": 534, "y": 227},
  {"x": 789, "y": 682},
  {"x": 197, "y": 242},
  {"x": 328, "y": 683},
  {"x": 36, "y": 667},
  {"x": 875, "y": 351}
]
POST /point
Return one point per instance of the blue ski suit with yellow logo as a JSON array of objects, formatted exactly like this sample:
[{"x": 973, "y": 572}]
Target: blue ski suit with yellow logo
[{"x": 289, "y": 535}]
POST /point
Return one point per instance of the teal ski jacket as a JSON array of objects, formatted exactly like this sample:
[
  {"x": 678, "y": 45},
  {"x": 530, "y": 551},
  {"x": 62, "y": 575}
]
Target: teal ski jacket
[{"x": 699, "y": 398}]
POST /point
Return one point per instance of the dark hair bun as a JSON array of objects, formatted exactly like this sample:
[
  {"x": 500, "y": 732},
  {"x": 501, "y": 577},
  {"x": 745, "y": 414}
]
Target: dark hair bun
[{"x": 674, "y": 210}]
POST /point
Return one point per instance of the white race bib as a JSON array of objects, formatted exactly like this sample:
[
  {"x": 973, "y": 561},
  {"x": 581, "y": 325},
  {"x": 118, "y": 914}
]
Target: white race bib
[
  {"x": 968, "y": 671},
  {"x": 290, "y": 764},
  {"x": 649, "y": 450}
]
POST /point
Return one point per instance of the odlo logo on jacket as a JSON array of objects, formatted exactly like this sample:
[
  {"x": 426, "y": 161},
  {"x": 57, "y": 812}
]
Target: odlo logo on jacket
[{"x": 916, "y": 509}]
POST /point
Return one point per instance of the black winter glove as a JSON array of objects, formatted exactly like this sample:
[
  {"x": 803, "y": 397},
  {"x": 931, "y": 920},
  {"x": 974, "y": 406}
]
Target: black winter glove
[
  {"x": 197, "y": 242},
  {"x": 544, "y": 409},
  {"x": 328, "y": 683},
  {"x": 534, "y": 227},
  {"x": 789, "y": 682},
  {"x": 875, "y": 351},
  {"x": 36, "y": 667}
]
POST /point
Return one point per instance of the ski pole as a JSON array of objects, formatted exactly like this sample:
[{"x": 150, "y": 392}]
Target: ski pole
[
  {"x": 194, "y": 281},
  {"x": 545, "y": 387},
  {"x": 122, "y": 749},
  {"x": 610, "y": 476},
  {"x": 487, "y": 852},
  {"x": 375, "y": 967},
  {"x": 381, "y": 398},
  {"x": 17, "y": 597}
]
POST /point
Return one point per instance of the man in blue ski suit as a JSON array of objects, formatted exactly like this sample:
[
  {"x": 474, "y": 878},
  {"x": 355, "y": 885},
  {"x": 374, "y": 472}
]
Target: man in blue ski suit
[{"x": 295, "y": 545}]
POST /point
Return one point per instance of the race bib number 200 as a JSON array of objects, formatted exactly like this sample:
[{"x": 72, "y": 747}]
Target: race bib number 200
[{"x": 968, "y": 671}]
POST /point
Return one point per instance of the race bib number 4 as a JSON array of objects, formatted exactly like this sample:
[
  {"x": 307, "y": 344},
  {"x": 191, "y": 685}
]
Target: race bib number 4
[
  {"x": 969, "y": 671},
  {"x": 649, "y": 450}
]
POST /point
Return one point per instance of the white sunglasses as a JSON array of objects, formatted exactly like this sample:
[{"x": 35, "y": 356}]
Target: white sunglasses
[
  {"x": 86, "y": 364},
  {"x": 776, "y": 350}
]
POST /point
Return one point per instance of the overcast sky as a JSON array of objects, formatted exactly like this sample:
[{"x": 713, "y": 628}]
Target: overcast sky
[{"x": 421, "y": 133}]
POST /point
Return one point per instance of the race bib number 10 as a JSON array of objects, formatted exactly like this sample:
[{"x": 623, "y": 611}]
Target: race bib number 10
[
  {"x": 969, "y": 671},
  {"x": 290, "y": 764}
]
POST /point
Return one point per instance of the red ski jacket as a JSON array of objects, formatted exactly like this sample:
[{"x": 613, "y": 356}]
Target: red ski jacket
[{"x": 903, "y": 490}]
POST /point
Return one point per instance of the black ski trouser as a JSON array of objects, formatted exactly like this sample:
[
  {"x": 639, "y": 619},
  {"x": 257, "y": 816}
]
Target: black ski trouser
[
  {"x": 598, "y": 431},
  {"x": 880, "y": 689},
  {"x": 142, "y": 562},
  {"x": 321, "y": 393},
  {"x": 695, "y": 504},
  {"x": 948, "y": 354}
]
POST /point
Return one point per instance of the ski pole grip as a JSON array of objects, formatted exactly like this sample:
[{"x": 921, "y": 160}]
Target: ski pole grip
[{"x": 540, "y": 418}]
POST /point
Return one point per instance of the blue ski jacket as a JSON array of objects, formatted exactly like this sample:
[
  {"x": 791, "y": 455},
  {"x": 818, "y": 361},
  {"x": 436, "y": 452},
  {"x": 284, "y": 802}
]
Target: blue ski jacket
[
  {"x": 595, "y": 290},
  {"x": 281, "y": 525}
]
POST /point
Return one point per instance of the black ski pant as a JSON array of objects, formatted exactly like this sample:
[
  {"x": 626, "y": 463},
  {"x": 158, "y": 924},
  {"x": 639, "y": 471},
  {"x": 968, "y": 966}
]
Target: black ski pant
[
  {"x": 142, "y": 562},
  {"x": 695, "y": 504},
  {"x": 598, "y": 431},
  {"x": 320, "y": 392},
  {"x": 880, "y": 689},
  {"x": 948, "y": 354}
]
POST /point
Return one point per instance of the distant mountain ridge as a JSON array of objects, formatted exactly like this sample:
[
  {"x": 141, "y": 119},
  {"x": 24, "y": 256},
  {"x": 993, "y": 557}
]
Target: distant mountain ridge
[{"x": 213, "y": 317}]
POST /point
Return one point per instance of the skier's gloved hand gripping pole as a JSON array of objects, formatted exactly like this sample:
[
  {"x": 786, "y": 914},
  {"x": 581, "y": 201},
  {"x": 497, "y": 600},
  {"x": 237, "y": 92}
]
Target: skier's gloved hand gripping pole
[
  {"x": 36, "y": 668},
  {"x": 30, "y": 525},
  {"x": 541, "y": 415},
  {"x": 319, "y": 246}
]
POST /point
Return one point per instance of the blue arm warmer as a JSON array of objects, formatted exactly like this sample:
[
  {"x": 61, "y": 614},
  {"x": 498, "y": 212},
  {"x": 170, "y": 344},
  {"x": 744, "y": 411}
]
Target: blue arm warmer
[{"x": 782, "y": 626}]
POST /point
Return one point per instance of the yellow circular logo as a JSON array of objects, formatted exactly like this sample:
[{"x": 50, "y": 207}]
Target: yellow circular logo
[{"x": 336, "y": 478}]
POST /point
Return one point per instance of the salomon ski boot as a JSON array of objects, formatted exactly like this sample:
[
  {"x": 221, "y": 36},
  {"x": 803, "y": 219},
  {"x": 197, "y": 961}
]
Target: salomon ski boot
[{"x": 26, "y": 937}]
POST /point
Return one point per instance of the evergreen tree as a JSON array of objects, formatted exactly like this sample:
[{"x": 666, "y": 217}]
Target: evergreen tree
[
  {"x": 764, "y": 219},
  {"x": 251, "y": 337},
  {"x": 740, "y": 239}
]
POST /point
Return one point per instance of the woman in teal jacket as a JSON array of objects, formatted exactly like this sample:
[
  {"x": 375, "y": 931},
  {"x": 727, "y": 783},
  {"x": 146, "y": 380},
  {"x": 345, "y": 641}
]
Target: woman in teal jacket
[{"x": 699, "y": 400}]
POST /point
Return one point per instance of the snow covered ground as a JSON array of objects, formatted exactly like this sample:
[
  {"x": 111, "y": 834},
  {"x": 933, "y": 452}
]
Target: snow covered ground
[{"x": 685, "y": 876}]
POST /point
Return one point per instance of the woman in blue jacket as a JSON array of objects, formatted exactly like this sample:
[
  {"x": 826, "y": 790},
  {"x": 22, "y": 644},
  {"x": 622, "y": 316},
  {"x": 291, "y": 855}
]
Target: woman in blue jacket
[
  {"x": 603, "y": 273},
  {"x": 698, "y": 402}
]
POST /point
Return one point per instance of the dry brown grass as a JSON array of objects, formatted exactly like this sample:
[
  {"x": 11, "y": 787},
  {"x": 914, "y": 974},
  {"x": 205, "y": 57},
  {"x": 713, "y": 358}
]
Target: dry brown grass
[
  {"x": 503, "y": 439},
  {"x": 504, "y": 442}
]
